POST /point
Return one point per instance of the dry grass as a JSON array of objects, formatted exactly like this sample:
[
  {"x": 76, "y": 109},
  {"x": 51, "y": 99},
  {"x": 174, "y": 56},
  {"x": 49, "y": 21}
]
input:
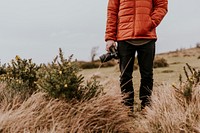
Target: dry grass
[
  {"x": 38, "y": 114},
  {"x": 106, "y": 114},
  {"x": 103, "y": 114},
  {"x": 167, "y": 115}
]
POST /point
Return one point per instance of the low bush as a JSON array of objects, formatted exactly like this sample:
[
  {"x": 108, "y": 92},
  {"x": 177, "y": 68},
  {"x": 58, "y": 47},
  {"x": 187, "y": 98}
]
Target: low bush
[
  {"x": 2, "y": 69},
  {"x": 20, "y": 75},
  {"x": 60, "y": 79},
  {"x": 96, "y": 64},
  {"x": 89, "y": 65},
  {"x": 160, "y": 62},
  {"x": 198, "y": 45}
]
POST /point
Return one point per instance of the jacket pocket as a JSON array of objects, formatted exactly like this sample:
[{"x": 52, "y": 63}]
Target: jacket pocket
[{"x": 144, "y": 27}]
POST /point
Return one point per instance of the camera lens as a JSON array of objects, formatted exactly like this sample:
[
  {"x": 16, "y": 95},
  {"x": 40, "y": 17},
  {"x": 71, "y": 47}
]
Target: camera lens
[{"x": 106, "y": 57}]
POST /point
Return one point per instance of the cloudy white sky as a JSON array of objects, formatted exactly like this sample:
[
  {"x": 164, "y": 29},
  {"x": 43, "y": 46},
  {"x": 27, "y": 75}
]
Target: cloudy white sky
[{"x": 38, "y": 28}]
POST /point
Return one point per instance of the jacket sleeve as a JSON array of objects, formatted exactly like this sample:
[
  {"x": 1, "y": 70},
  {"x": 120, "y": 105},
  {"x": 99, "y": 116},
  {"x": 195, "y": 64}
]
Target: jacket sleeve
[
  {"x": 160, "y": 9},
  {"x": 112, "y": 20}
]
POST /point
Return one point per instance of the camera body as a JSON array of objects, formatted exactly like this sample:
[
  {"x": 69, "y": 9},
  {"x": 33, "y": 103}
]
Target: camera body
[{"x": 113, "y": 54}]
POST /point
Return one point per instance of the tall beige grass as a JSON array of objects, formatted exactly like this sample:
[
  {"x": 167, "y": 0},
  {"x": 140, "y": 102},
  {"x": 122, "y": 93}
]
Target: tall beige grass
[
  {"x": 38, "y": 114},
  {"x": 105, "y": 114},
  {"x": 167, "y": 115}
]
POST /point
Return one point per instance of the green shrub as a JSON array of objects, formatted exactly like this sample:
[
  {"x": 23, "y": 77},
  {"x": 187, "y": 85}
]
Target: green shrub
[
  {"x": 160, "y": 62},
  {"x": 60, "y": 79},
  {"x": 2, "y": 69},
  {"x": 91, "y": 89},
  {"x": 20, "y": 75}
]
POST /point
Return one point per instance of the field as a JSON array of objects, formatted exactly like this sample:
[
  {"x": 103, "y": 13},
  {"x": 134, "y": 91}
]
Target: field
[
  {"x": 175, "y": 106},
  {"x": 162, "y": 76}
]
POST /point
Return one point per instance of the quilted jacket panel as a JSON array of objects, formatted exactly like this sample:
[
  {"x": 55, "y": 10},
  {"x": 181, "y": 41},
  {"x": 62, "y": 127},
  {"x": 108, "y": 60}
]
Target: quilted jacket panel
[{"x": 134, "y": 19}]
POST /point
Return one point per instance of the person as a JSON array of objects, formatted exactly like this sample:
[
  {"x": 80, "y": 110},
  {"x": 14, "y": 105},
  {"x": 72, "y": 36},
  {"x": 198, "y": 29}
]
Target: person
[{"x": 131, "y": 27}]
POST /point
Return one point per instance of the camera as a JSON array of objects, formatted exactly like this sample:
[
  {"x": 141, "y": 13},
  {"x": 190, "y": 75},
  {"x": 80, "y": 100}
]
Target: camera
[{"x": 113, "y": 54}]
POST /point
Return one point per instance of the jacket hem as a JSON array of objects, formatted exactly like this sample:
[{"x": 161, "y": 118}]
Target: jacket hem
[{"x": 127, "y": 38}]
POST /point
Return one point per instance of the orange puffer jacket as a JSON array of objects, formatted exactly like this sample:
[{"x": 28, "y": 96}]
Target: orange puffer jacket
[{"x": 134, "y": 19}]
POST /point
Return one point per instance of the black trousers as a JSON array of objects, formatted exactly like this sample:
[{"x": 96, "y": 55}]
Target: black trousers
[{"x": 145, "y": 56}]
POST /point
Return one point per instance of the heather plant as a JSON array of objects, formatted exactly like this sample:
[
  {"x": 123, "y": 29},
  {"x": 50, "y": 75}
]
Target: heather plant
[
  {"x": 20, "y": 75},
  {"x": 60, "y": 79}
]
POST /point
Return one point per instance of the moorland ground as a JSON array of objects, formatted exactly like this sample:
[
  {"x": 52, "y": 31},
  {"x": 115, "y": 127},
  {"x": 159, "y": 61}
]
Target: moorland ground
[{"x": 177, "y": 60}]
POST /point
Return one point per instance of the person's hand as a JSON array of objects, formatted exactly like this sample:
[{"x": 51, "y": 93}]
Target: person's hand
[{"x": 110, "y": 43}]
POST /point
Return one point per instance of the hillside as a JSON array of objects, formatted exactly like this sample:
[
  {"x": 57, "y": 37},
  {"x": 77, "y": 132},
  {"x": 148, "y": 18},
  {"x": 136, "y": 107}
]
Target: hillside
[
  {"x": 176, "y": 60},
  {"x": 175, "y": 107},
  {"x": 168, "y": 75}
]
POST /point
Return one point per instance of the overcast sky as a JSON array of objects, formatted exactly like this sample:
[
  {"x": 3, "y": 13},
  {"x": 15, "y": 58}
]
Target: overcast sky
[{"x": 38, "y": 28}]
